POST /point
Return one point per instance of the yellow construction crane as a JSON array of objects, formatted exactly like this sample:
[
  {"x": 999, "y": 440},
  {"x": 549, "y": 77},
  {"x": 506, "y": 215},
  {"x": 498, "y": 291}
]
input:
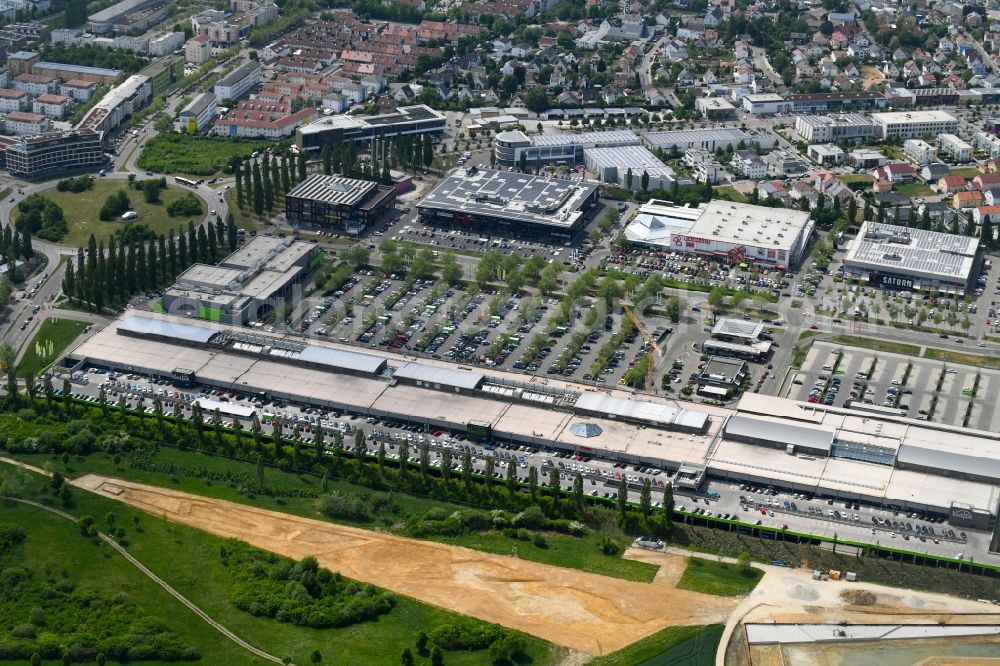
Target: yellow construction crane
[{"x": 652, "y": 343}]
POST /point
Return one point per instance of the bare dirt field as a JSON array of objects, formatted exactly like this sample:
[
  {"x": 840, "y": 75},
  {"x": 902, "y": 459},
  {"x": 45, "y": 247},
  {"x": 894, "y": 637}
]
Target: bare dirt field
[{"x": 582, "y": 611}]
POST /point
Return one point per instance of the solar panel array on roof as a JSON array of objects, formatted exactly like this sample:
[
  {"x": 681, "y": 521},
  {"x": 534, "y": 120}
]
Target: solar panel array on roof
[
  {"x": 149, "y": 326},
  {"x": 513, "y": 196},
  {"x": 403, "y": 114},
  {"x": 887, "y": 246}
]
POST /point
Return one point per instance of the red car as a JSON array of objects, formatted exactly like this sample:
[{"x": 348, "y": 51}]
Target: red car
[{"x": 814, "y": 327}]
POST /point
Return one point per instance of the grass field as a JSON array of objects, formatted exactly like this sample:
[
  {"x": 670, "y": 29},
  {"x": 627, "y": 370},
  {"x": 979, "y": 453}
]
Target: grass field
[
  {"x": 915, "y": 190},
  {"x": 879, "y": 345},
  {"x": 194, "y": 156},
  {"x": 856, "y": 178},
  {"x": 82, "y": 210},
  {"x": 188, "y": 559},
  {"x": 730, "y": 194},
  {"x": 60, "y": 333},
  {"x": 718, "y": 578},
  {"x": 673, "y": 646},
  {"x": 962, "y": 358},
  {"x": 54, "y": 544},
  {"x": 966, "y": 172},
  {"x": 582, "y": 553}
]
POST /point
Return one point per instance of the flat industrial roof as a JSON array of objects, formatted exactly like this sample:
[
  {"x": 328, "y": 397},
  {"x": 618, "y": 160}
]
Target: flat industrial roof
[
  {"x": 238, "y": 74},
  {"x": 779, "y": 432},
  {"x": 402, "y": 115},
  {"x": 637, "y": 158},
  {"x": 552, "y": 202},
  {"x": 699, "y": 136},
  {"x": 933, "y": 116},
  {"x": 921, "y": 252},
  {"x": 720, "y": 221},
  {"x": 642, "y": 410},
  {"x": 439, "y": 376},
  {"x": 618, "y": 137},
  {"x": 140, "y": 325},
  {"x": 340, "y": 358},
  {"x": 738, "y": 328}
]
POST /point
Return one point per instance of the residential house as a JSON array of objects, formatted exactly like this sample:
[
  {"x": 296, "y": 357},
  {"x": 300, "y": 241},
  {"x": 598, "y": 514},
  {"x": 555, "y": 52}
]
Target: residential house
[
  {"x": 966, "y": 199},
  {"x": 950, "y": 184}
]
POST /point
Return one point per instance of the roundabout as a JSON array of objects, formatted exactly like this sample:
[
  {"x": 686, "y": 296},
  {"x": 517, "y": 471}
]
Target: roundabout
[{"x": 81, "y": 210}]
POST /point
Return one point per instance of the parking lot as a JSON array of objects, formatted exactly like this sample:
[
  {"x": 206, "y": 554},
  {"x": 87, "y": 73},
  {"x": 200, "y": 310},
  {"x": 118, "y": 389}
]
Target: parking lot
[{"x": 921, "y": 388}]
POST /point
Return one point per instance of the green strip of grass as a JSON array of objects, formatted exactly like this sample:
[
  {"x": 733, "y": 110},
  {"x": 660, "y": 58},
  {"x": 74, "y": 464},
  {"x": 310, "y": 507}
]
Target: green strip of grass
[
  {"x": 878, "y": 345},
  {"x": 60, "y": 333},
  {"x": 673, "y": 646},
  {"x": 719, "y": 578},
  {"x": 962, "y": 358}
]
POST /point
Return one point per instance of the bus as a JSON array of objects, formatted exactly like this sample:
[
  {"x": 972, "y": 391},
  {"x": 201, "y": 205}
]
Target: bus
[{"x": 186, "y": 181}]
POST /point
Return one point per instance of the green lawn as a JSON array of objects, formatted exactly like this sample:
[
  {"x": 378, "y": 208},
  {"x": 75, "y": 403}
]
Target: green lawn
[
  {"x": 60, "y": 333},
  {"x": 82, "y": 209},
  {"x": 188, "y": 559},
  {"x": 55, "y": 545},
  {"x": 856, "y": 178},
  {"x": 194, "y": 156},
  {"x": 962, "y": 358},
  {"x": 673, "y": 646},
  {"x": 966, "y": 172},
  {"x": 915, "y": 190},
  {"x": 878, "y": 345},
  {"x": 582, "y": 553},
  {"x": 730, "y": 194},
  {"x": 718, "y": 578}
]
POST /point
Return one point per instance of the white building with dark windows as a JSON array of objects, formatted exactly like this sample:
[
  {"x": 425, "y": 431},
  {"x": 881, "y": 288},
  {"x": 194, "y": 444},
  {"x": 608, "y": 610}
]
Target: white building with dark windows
[
  {"x": 914, "y": 124},
  {"x": 23, "y": 123},
  {"x": 834, "y": 128},
  {"x": 556, "y": 148},
  {"x": 46, "y": 155},
  {"x": 197, "y": 115},
  {"x": 238, "y": 82}
]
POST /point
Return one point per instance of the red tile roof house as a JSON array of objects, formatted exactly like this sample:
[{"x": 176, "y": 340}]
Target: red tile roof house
[
  {"x": 986, "y": 181},
  {"x": 950, "y": 184}
]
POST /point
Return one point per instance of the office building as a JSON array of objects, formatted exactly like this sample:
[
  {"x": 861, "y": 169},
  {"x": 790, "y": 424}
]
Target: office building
[
  {"x": 904, "y": 259},
  {"x": 834, "y": 128},
  {"x": 405, "y": 120},
  {"x": 105, "y": 20},
  {"x": 47, "y": 155},
  {"x": 504, "y": 203},
  {"x": 197, "y": 115},
  {"x": 244, "y": 286},
  {"x": 914, "y": 124},
  {"x": 542, "y": 149},
  {"x": 238, "y": 82},
  {"x": 337, "y": 203},
  {"x": 119, "y": 103}
]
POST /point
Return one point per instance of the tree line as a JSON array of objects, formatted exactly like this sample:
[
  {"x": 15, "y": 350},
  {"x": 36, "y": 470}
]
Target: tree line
[
  {"x": 330, "y": 456},
  {"x": 107, "y": 277},
  {"x": 14, "y": 245},
  {"x": 259, "y": 183}
]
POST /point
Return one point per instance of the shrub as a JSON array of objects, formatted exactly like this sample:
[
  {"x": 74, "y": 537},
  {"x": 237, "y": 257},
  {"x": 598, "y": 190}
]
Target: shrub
[
  {"x": 115, "y": 204},
  {"x": 466, "y": 635},
  {"x": 80, "y": 184},
  {"x": 42, "y": 217},
  {"x": 186, "y": 206},
  {"x": 540, "y": 541},
  {"x": 342, "y": 505}
]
